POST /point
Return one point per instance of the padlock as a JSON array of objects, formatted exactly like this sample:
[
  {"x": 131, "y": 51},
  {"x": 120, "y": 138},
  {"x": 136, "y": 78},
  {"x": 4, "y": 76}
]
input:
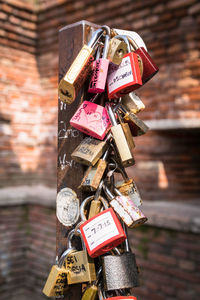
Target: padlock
[
  {"x": 120, "y": 271},
  {"x": 57, "y": 284},
  {"x": 91, "y": 292},
  {"x": 80, "y": 267},
  {"x": 149, "y": 66},
  {"x": 137, "y": 126},
  {"x": 117, "y": 203},
  {"x": 93, "y": 175},
  {"x": 127, "y": 132},
  {"x": 120, "y": 140},
  {"x": 102, "y": 295},
  {"x": 75, "y": 77},
  {"x": 89, "y": 151},
  {"x": 136, "y": 214},
  {"x": 100, "y": 70},
  {"x": 132, "y": 103},
  {"x": 117, "y": 50},
  {"x": 92, "y": 119},
  {"x": 102, "y": 232},
  {"x": 128, "y": 187},
  {"x": 125, "y": 208},
  {"x": 126, "y": 77}
]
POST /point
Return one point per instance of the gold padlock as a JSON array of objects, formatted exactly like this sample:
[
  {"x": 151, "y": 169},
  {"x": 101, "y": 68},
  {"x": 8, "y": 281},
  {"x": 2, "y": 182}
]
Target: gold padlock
[
  {"x": 138, "y": 127},
  {"x": 57, "y": 284},
  {"x": 132, "y": 103},
  {"x": 120, "y": 140},
  {"x": 117, "y": 50},
  {"x": 127, "y": 132},
  {"x": 75, "y": 77},
  {"x": 128, "y": 187},
  {"x": 80, "y": 267},
  {"x": 93, "y": 175},
  {"x": 89, "y": 151}
]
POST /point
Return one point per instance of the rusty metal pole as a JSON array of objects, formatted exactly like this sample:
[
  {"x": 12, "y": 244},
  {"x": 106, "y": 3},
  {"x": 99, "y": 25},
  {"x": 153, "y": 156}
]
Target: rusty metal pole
[{"x": 69, "y": 173}]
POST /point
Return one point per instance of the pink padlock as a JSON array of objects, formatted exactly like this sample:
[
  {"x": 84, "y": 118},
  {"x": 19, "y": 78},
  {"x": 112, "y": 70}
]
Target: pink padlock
[
  {"x": 100, "y": 69},
  {"x": 92, "y": 119}
]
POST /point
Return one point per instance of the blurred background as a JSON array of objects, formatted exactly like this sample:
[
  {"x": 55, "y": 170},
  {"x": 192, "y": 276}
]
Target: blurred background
[{"x": 167, "y": 169}]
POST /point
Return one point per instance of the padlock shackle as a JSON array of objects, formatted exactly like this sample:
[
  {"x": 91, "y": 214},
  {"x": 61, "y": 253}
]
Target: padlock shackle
[
  {"x": 95, "y": 37},
  {"x": 86, "y": 201},
  {"x": 125, "y": 39},
  {"x": 111, "y": 115},
  {"x": 133, "y": 42},
  {"x": 76, "y": 232},
  {"x": 117, "y": 192},
  {"x": 108, "y": 193},
  {"x": 105, "y": 155},
  {"x": 122, "y": 108},
  {"x": 106, "y": 47},
  {"x": 126, "y": 242},
  {"x": 64, "y": 255}
]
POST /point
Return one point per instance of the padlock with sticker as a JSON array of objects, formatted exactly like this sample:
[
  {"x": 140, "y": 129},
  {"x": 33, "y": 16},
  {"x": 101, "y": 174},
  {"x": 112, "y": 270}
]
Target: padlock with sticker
[
  {"x": 102, "y": 232},
  {"x": 126, "y": 77}
]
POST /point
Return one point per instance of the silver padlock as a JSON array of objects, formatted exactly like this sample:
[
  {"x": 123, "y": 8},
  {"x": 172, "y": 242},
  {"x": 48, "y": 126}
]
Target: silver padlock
[{"x": 120, "y": 271}]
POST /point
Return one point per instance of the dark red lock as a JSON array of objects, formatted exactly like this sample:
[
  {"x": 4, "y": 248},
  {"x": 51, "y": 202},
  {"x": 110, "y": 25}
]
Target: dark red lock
[
  {"x": 149, "y": 66},
  {"x": 126, "y": 77},
  {"x": 102, "y": 233}
]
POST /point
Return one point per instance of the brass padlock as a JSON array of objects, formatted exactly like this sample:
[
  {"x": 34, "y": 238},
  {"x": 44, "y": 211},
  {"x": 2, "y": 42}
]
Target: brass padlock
[
  {"x": 137, "y": 126},
  {"x": 75, "y": 77},
  {"x": 132, "y": 103},
  {"x": 127, "y": 132},
  {"x": 57, "y": 284},
  {"x": 93, "y": 175},
  {"x": 80, "y": 267},
  {"x": 120, "y": 140},
  {"x": 89, "y": 151},
  {"x": 91, "y": 292},
  {"x": 128, "y": 187},
  {"x": 117, "y": 50}
]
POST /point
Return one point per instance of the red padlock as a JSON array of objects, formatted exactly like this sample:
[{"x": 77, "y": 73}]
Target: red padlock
[
  {"x": 126, "y": 77},
  {"x": 91, "y": 119},
  {"x": 100, "y": 70},
  {"x": 149, "y": 66},
  {"x": 102, "y": 232}
]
